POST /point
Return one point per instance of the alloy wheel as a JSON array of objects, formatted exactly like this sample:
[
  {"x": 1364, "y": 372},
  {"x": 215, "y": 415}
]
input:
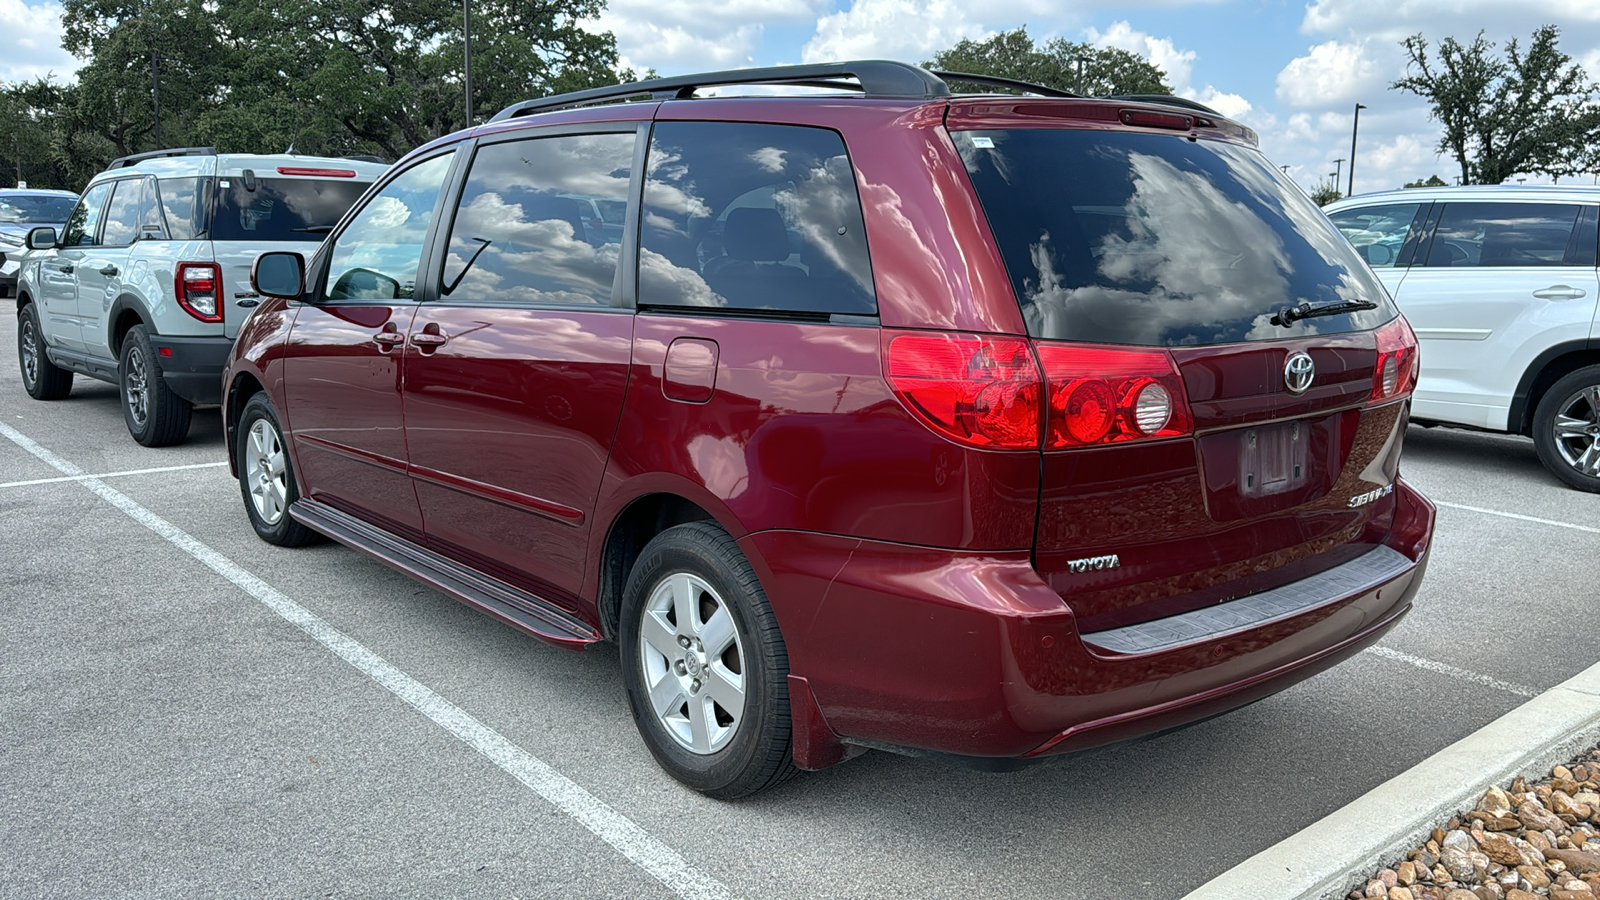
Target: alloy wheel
[
  {"x": 137, "y": 386},
  {"x": 29, "y": 339},
  {"x": 265, "y": 472},
  {"x": 1577, "y": 430},
  {"x": 693, "y": 663}
]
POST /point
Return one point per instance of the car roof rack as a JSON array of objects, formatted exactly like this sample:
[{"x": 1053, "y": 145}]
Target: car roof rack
[
  {"x": 123, "y": 162},
  {"x": 366, "y": 157},
  {"x": 1168, "y": 100},
  {"x": 1000, "y": 82},
  {"x": 875, "y": 78}
]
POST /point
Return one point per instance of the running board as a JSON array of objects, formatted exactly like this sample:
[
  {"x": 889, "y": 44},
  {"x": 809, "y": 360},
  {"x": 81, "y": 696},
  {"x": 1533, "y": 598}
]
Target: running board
[{"x": 516, "y": 607}]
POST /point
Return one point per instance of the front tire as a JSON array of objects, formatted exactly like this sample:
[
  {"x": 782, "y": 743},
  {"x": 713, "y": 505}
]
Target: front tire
[
  {"x": 156, "y": 417},
  {"x": 266, "y": 476},
  {"x": 40, "y": 377},
  {"x": 704, "y": 664},
  {"x": 1566, "y": 429}
]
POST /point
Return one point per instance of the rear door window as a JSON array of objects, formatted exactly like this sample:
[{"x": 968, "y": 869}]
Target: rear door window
[
  {"x": 280, "y": 209},
  {"x": 760, "y": 218},
  {"x": 1377, "y": 232},
  {"x": 1500, "y": 235},
  {"x": 122, "y": 213},
  {"x": 1156, "y": 240}
]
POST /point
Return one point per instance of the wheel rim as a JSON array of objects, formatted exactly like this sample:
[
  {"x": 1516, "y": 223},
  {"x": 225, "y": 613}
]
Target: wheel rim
[
  {"x": 266, "y": 475},
  {"x": 136, "y": 386},
  {"x": 29, "y": 341},
  {"x": 693, "y": 663},
  {"x": 1577, "y": 430}
]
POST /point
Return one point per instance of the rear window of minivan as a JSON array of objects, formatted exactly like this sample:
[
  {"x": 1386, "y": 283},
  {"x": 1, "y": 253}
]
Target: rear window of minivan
[{"x": 1156, "y": 240}]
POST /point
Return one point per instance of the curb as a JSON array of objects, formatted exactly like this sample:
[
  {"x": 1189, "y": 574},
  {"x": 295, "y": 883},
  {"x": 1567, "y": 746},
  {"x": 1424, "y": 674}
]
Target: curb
[{"x": 1324, "y": 861}]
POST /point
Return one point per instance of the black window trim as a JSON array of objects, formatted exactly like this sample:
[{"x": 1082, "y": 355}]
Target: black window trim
[{"x": 624, "y": 288}]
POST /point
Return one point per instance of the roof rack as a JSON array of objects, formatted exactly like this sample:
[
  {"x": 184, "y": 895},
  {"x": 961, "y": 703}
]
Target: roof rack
[
  {"x": 123, "y": 162},
  {"x": 1168, "y": 100},
  {"x": 876, "y": 78},
  {"x": 366, "y": 157},
  {"x": 1012, "y": 83}
]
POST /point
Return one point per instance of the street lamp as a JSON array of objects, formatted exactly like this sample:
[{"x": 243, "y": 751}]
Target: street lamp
[
  {"x": 1354, "y": 130},
  {"x": 466, "y": 54},
  {"x": 1338, "y": 166}
]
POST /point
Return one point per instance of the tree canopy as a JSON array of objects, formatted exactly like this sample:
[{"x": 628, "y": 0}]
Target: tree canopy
[
  {"x": 1532, "y": 112},
  {"x": 1433, "y": 181},
  {"x": 1013, "y": 54},
  {"x": 330, "y": 77}
]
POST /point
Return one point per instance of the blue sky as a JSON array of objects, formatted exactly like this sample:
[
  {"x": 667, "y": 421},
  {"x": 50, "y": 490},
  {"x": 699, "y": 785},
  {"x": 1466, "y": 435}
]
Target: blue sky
[{"x": 1291, "y": 70}]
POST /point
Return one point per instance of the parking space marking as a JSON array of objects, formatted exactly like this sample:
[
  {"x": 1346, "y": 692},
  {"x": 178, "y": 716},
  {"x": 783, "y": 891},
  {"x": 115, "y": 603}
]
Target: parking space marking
[
  {"x": 1508, "y": 515},
  {"x": 65, "y": 478},
  {"x": 633, "y": 842},
  {"x": 1521, "y": 690}
]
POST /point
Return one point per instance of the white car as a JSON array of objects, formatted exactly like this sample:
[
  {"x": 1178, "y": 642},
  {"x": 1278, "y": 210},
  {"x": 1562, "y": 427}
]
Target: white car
[{"x": 1500, "y": 285}]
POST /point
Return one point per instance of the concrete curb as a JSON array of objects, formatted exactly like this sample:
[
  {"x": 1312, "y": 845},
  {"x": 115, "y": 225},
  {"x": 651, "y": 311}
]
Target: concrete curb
[{"x": 1324, "y": 861}]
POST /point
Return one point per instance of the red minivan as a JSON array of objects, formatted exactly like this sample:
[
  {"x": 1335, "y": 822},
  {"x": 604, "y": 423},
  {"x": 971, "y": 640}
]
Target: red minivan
[{"x": 985, "y": 427}]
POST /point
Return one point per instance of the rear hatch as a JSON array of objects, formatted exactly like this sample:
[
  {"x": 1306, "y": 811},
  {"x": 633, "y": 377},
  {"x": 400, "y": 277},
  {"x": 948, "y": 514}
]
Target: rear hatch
[{"x": 1186, "y": 460}]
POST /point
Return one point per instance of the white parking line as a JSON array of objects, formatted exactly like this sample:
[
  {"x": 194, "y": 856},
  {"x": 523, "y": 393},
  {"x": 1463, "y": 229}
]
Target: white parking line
[
  {"x": 1496, "y": 512},
  {"x": 209, "y": 465},
  {"x": 1521, "y": 690},
  {"x": 618, "y": 830}
]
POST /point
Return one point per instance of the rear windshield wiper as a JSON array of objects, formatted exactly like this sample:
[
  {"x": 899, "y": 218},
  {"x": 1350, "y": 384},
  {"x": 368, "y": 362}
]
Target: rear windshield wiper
[
  {"x": 314, "y": 229},
  {"x": 1292, "y": 314}
]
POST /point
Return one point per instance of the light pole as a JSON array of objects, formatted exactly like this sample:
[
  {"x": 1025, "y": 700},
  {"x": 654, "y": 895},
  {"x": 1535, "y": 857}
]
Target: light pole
[
  {"x": 1354, "y": 130},
  {"x": 155, "y": 95},
  {"x": 1338, "y": 166},
  {"x": 466, "y": 53}
]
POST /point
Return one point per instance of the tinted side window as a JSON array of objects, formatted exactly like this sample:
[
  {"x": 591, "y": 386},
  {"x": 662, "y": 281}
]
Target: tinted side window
[
  {"x": 281, "y": 209},
  {"x": 1491, "y": 235},
  {"x": 122, "y": 213},
  {"x": 183, "y": 206},
  {"x": 1377, "y": 232},
  {"x": 151, "y": 223},
  {"x": 754, "y": 217},
  {"x": 378, "y": 255},
  {"x": 528, "y": 229},
  {"x": 84, "y": 222}
]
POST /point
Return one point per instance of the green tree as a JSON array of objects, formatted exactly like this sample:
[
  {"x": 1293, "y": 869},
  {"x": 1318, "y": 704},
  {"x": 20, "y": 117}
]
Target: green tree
[
  {"x": 1325, "y": 193},
  {"x": 1531, "y": 112},
  {"x": 1433, "y": 181},
  {"x": 1013, "y": 54}
]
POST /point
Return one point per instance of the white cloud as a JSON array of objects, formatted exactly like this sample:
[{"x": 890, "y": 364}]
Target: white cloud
[
  {"x": 1178, "y": 64},
  {"x": 1333, "y": 72},
  {"x": 892, "y": 29},
  {"x": 1388, "y": 17},
  {"x": 33, "y": 42},
  {"x": 691, "y": 35}
]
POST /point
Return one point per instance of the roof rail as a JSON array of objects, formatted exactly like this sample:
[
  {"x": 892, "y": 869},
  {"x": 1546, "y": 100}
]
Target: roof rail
[
  {"x": 366, "y": 157},
  {"x": 123, "y": 162},
  {"x": 877, "y": 78},
  {"x": 1168, "y": 100},
  {"x": 1000, "y": 82}
]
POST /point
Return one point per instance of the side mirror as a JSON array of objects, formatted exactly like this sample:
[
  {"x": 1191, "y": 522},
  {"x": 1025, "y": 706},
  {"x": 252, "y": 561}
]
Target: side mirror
[
  {"x": 42, "y": 239},
  {"x": 279, "y": 274}
]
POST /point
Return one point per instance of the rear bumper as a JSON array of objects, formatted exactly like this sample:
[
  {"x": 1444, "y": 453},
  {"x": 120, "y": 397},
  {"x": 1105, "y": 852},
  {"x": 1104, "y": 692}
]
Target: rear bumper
[
  {"x": 973, "y": 655},
  {"x": 192, "y": 366}
]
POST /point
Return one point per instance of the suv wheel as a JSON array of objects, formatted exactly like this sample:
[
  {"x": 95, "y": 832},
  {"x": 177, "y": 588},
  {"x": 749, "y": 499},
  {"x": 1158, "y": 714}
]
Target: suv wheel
[
  {"x": 42, "y": 379},
  {"x": 266, "y": 478},
  {"x": 156, "y": 416},
  {"x": 1566, "y": 429},
  {"x": 704, "y": 664}
]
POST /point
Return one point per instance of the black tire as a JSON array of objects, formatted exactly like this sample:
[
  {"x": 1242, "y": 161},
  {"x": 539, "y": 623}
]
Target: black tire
[
  {"x": 757, "y": 749},
  {"x": 266, "y": 476},
  {"x": 1570, "y": 447},
  {"x": 40, "y": 377},
  {"x": 156, "y": 417}
]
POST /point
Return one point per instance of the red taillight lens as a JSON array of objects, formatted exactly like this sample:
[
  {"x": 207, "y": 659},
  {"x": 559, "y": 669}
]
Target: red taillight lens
[
  {"x": 1395, "y": 373},
  {"x": 199, "y": 290},
  {"x": 983, "y": 392},
  {"x": 1106, "y": 395}
]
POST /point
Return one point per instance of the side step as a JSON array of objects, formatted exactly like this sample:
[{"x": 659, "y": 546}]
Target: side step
[{"x": 519, "y": 608}]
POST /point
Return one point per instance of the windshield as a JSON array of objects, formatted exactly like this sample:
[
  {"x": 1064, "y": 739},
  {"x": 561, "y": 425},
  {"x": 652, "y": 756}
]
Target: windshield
[
  {"x": 25, "y": 209},
  {"x": 281, "y": 209},
  {"x": 1156, "y": 240}
]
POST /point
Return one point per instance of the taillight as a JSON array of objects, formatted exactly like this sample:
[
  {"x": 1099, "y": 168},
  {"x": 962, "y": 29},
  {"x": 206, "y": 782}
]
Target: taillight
[
  {"x": 1396, "y": 370},
  {"x": 1107, "y": 395},
  {"x": 980, "y": 391},
  {"x": 199, "y": 290}
]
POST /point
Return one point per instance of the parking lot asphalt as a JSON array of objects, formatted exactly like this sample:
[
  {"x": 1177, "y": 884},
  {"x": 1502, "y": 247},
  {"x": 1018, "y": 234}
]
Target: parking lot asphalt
[{"x": 166, "y": 732}]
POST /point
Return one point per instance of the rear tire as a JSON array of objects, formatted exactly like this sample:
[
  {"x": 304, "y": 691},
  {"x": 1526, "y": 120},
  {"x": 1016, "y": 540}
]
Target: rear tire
[
  {"x": 156, "y": 417},
  {"x": 1566, "y": 429},
  {"x": 705, "y": 666},
  {"x": 266, "y": 476},
  {"x": 40, "y": 377}
]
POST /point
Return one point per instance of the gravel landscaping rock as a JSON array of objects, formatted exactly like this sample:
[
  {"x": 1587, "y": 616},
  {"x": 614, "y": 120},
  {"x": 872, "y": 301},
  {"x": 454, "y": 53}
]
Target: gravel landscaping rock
[{"x": 1524, "y": 842}]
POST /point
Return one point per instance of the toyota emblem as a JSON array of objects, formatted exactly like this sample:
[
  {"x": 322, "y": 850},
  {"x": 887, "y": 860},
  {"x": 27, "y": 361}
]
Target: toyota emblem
[{"x": 1298, "y": 372}]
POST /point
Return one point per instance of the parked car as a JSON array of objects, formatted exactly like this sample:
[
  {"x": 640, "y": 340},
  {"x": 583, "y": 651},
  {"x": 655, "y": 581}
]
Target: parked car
[
  {"x": 136, "y": 286},
  {"x": 20, "y": 211},
  {"x": 1500, "y": 284},
  {"x": 985, "y": 427}
]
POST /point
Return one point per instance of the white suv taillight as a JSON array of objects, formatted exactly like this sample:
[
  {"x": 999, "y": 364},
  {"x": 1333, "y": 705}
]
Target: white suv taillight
[{"x": 199, "y": 290}]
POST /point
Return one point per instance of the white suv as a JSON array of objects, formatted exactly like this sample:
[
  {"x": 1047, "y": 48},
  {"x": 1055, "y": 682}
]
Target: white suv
[
  {"x": 137, "y": 288},
  {"x": 1500, "y": 285}
]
